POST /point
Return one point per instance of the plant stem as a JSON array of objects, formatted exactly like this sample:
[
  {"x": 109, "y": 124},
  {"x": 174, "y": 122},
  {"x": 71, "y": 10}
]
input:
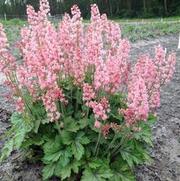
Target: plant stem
[
  {"x": 117, "y": 151},
  {"x": 118, "y": 146},
  {"x": 76, "y": 105},
  {"x": 97, "y": 143},
  {"x": 62, "y": 108},
  {"x": 87, "y": 112},
  {"x": 112, "y": 142},
  {"x": 58, "y": 127}
]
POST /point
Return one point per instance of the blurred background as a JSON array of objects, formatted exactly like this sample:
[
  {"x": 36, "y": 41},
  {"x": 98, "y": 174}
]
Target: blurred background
[{"x": 114, "y": 8}]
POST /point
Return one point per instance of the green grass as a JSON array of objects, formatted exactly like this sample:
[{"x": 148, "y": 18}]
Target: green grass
[
  {"x": 147, "y": 20},
  {"x": 12, "y": 28},
  {"x": 13, "y": 22},
  {"x": 144, "y": 20},
  {"x": 147, "y": 31},
  {"x": 133, "y": 29}
]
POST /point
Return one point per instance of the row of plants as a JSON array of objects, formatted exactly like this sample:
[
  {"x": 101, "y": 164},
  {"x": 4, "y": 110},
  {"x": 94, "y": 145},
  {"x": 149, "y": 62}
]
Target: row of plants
[
  {"x": 149, "y": 30},
  {"x": 82, "y": 109},
  {"x": 133, "y": 31}
]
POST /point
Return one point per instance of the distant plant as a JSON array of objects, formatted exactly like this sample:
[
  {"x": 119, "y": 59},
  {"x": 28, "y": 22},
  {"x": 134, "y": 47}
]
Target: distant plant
[{"x": 79, "y": 101}]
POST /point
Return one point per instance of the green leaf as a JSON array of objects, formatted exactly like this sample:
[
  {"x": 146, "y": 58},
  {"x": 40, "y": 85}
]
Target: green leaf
[
  {"x": 7, "y": 149},
  {"x": 65, "y": 172},
  {"x": 64, "y": 158},
  {"x": 35, "y": 140},
  {"x": 55, "y": 152},
  {"x": 52, "y": 145},
  {"x": 67, "y": 137},
  {"x": 19, "y": 137},
  {"x": 77, "y": 145},
  {"x": 89, "y": 175},
  {"x": 36, "y": 125},
  {"x": 141, "y": 152},
  {"x": 70, "y": 124},
  {"x": 82, "y": 138},
  {"x": 96, "y": 174},
  {"x": 145, "y": 134},
  {"x": 131, "y": 154},
  {"x": 96, "y": 163},
  {"x": 77, "y": 150},
  {"x": 151, "y": 119},
  {"x": 38, "y": 110},
  {"x": 83, "y": 123},
  {"x": 52, "y": 150},
  {"x": 20, "y": 122},
  {"x": 121, "y": 171},
  {"x": 147, "y": 158},
  {"x": 16, "y": 118},
  {"x": 20, "y": 127},
  {"x": 128, "y": 157},
  {"x": 48, "y": 171},
  {"x": 75, "y": 166},
  {"x": 135, "y": 153},
  {"x": 148, "y": 140},
  {"x": 48, "y": 158}
]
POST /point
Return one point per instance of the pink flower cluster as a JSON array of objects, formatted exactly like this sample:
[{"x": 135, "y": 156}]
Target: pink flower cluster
[
  {"x": 72, "y": 52},
  {"x": 50, "y": 99},
  {"x": 100, "y": 109},
  {"x": 88, "y": 92},
  {"x": 144, "y": 85},
  {"x": 138, "y": 107},
  {"x": 146, "y": 68},
  {"x": 165, "y": 65}
]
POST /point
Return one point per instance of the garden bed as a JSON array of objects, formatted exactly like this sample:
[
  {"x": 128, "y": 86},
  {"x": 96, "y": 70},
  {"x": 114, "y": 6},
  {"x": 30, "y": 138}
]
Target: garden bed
[{"x": 166, "y": 166}]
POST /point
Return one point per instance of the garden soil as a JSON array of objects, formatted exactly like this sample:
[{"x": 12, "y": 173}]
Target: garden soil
[{"x": 166, "y": 132}]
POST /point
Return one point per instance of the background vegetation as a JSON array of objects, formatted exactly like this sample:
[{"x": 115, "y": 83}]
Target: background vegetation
[
  {"x": 114, "y": 8},
  {"x": 133, "y": 30}
]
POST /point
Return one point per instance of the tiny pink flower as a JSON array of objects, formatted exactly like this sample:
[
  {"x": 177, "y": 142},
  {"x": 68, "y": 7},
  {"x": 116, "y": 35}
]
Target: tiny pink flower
[{"x": 97, "y": 124}]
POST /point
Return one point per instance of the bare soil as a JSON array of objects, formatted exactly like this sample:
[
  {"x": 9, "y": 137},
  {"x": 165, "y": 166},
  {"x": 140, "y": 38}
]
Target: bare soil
[{"x": 166, "y": 132}]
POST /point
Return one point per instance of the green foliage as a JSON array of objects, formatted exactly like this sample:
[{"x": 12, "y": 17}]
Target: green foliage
[
  {"x": 48, "y": 171},
  {"x": 71, "y": 148},
  {"x": 97, "y": 170},
  {"x": 100, "y": 174},
  {"x": 16, "y": 135},
  {"x": 121, "y": 171},
  {"x": 7, "y": 149}
]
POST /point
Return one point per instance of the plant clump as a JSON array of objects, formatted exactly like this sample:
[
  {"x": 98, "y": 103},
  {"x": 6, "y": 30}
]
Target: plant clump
[{"x": 79, "y": 100}]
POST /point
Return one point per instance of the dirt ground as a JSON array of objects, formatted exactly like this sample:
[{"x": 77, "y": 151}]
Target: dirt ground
[{"x": 166, "y": 151}]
